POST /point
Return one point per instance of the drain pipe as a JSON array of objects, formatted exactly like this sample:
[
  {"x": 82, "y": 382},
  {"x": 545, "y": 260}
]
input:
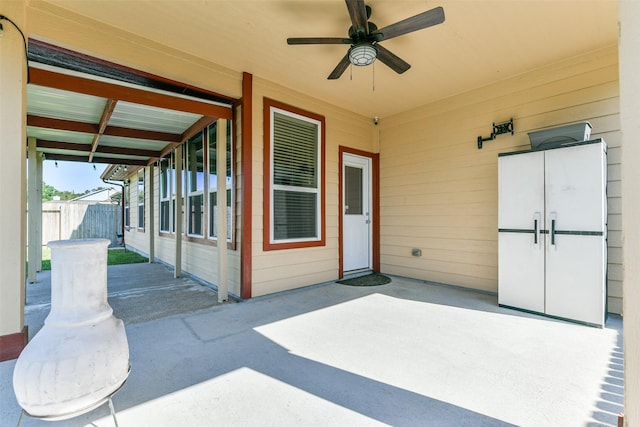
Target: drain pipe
[{"x": 121, "y": 235}]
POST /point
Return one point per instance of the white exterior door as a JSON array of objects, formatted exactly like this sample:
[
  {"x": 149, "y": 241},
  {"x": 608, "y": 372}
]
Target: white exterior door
[
  {"x": 356, "y": 230},
  {"x": 521, "y": 249}
]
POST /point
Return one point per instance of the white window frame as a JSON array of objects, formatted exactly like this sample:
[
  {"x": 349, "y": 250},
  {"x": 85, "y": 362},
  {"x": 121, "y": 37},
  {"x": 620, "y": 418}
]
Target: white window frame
[
  {"x": 200, "y": 192},
  {"x": 140, "y": 204},
  {"x": 127, "y": 205},
  {"x": 273, "y": 187},
  {"x": 166, "y": 197}
]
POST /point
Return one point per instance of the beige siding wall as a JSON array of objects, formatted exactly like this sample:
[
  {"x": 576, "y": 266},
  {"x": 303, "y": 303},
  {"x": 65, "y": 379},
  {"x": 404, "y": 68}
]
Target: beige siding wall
[
  {"x": 439, "y": 192},
  {"x": 279, "y": 270}
]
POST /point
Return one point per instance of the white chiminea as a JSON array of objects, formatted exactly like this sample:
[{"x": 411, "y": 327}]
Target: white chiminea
[{"x": 81, "y": 355}]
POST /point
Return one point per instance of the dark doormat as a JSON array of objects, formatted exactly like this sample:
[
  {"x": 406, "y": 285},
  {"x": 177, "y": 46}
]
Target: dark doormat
[{"x": 373, "y": 279}]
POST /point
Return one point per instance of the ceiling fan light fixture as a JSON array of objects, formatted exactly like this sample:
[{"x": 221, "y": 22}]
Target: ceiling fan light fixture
[{"x": 362, "y": 54}]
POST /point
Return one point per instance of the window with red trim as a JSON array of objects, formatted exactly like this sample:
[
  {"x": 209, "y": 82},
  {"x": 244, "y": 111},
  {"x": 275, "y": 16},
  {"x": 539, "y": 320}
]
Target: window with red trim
[{"x": 294, "y": 178}]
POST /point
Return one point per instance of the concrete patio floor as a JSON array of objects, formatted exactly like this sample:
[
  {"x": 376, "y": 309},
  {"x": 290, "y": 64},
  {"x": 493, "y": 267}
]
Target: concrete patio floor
[{"x": 408, "y": 353}]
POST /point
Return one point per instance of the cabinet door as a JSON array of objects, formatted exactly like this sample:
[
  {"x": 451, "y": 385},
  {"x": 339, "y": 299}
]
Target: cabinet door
[
  {"x": 576, "y": 243},
  {"x": 575, "y": 278},
  {"x": 575, "y": 184},
  {"x": 520, "y": 247}
]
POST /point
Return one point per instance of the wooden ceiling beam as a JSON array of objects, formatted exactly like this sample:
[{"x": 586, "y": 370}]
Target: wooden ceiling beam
[
  {"x": 142, "y": 134},
  {"x": 60, "y": 145},
  {"x": 96, "y": 159},
  {"x": 72, "y": 126},
  {"x": 60, "y": 124},
  {"x": 119, "y": 161},
  {"x": 102, "y": 125},
  {"x": 102, "y": 149},
  {"x": 125, "y": 93}
]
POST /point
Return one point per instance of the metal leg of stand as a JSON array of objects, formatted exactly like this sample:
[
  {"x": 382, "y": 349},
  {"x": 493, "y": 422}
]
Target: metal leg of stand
[
  {"x": 64, "y": 417},
  {"x": 113, "y": 412}
]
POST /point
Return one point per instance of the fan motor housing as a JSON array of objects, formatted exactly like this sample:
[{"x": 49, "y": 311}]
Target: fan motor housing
[{"x": 359, "y": 35}]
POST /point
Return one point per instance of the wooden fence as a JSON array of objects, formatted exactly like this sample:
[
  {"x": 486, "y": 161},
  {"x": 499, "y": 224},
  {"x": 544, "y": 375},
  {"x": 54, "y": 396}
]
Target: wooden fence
[{"x": 80, "y": 220}]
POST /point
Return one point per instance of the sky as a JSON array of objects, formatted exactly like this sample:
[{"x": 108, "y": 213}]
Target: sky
[{"x": 73, "y": 176}]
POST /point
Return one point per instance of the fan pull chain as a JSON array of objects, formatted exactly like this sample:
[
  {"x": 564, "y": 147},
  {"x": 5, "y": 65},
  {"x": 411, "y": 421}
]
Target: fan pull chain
[
  {"x": 351, "y": 72},
  {"x": 373, "y": 66}
]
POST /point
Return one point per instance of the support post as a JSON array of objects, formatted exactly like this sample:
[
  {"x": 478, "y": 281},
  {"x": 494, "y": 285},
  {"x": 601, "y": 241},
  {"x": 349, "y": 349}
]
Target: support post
[
  {"x": 177, "y": 269},
  {"x": 221, "y": 209},
  {"x": 39, "y": 161},
  {"x": 629, "y": 70},
  {"x": 13, "y": 136},
  {"x": 34, "y": 212},
  {"x": 246, "y": 186},
  {"x": 150, "y": 209}
]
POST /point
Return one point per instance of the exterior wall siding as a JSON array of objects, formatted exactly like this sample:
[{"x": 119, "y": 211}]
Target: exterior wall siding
[{"x": 439, "y": 192}]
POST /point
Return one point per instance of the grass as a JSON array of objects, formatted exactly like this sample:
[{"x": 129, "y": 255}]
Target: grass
[{"x": 114, "y": 257}]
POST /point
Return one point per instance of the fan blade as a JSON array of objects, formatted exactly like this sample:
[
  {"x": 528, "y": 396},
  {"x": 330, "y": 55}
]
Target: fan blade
[
  {"x": 342, "y": 65},
  {"x": 391, "y": 60},
  {"x": 358, "y": 15},
  {"x": 418, "y": 22},
  {"x": 318, "y": 40}
]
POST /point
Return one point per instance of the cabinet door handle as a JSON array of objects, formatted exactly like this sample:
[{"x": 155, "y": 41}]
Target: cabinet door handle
[
  {"x": 537, "y": 221},
  {"x": 553, "y": 231}
]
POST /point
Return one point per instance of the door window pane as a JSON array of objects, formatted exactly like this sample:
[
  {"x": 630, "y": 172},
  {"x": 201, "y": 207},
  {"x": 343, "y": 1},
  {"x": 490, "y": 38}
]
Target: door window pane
[{"x": 353, "y": 190}]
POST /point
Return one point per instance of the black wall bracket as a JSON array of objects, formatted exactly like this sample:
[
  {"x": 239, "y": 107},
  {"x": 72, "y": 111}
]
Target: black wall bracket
[{"x": 498, "y": 129}]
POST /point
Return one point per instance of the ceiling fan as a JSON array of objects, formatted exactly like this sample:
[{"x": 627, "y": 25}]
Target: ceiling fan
[{"x": 365, "y": 37}]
